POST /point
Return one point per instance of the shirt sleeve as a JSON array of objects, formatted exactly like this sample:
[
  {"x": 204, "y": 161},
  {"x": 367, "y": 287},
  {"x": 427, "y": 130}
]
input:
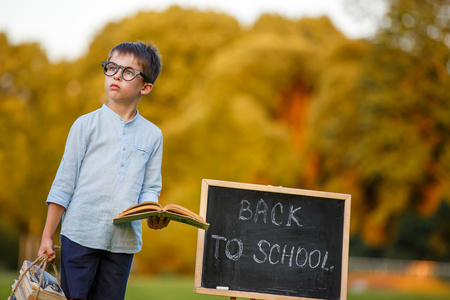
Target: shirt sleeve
[
  {"x": 152, "y": 184},
  {"x": 66, "y": 177}
]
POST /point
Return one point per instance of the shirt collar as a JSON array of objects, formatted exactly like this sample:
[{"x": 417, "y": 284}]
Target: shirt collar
[{"x": 106, "y": 108}]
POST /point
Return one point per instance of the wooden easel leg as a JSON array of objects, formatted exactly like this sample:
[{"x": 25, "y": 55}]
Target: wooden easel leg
[{"x": 232, "y": 298}]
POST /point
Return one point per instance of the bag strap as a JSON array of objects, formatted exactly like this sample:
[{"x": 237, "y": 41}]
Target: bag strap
[{"x": 41, "y": 263}]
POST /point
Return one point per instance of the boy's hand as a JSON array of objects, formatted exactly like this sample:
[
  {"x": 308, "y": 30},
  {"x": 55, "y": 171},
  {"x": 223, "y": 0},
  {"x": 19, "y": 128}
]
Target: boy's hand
[
  {"x": 47, "y": 247},
  {"x": 157, "y": 222}
]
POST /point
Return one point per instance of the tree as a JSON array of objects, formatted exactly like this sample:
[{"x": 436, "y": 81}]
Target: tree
[{"x": 397, "y": 152}]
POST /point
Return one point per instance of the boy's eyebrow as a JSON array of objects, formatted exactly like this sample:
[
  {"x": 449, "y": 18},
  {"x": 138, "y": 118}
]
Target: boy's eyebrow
[{"x": 121, "y": 65}]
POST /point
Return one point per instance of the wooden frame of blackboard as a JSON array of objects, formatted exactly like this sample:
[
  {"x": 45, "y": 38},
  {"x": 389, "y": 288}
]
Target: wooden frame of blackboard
[{"x": 224, "y": 291}]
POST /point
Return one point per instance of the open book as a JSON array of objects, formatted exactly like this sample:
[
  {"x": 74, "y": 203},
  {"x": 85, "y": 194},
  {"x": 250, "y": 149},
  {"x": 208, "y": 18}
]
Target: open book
[{"x": 173, "y": 212}]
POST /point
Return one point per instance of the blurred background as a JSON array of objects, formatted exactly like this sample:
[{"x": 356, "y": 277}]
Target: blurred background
[{"x": 285, "y": 101}]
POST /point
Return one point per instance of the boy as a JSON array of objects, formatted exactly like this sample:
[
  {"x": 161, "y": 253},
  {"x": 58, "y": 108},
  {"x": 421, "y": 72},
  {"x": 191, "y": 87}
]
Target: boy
[{"x": 112, "y": 160}]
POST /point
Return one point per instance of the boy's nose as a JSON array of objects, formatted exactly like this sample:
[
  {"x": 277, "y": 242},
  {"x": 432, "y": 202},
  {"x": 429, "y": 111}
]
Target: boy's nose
[{"x": 118, "y": 75}]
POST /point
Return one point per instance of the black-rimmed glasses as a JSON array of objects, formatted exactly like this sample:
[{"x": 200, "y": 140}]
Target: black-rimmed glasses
[{"x": 128, "y": 73}]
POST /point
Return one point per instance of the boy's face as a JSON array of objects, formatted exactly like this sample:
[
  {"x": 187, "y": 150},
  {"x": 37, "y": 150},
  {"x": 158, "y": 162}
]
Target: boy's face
[{"x": 122, "y": 91}]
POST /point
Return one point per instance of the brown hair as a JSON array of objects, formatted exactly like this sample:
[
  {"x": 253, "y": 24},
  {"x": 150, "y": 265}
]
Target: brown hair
[{"x": 147, "y": 54}]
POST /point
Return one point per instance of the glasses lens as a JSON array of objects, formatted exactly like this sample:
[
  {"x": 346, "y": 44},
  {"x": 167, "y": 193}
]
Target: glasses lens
[
  {"x": 129, "y": 73},
  {"x": 110, "y": 69}
]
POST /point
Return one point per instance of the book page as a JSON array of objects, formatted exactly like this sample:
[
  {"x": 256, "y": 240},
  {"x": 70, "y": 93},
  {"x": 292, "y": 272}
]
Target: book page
[
  {"x": 163, "y": 214},
  {"x": 144, "y": 206},
  {"x": 183, "y": 211}
]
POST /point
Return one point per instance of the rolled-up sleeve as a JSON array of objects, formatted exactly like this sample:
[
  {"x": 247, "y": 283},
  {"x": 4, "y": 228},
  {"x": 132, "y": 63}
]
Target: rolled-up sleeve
[
  {"x": 66, "y": 177},
  {"x": 152, "y": 184}
]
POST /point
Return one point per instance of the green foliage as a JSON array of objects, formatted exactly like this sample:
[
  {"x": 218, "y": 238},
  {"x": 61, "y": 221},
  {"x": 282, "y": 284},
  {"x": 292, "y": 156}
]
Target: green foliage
[{"x": 286, "y": 102}]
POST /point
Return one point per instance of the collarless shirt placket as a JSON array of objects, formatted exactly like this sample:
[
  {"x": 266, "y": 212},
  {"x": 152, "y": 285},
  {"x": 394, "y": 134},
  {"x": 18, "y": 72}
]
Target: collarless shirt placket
[{"x": 123, "y": 165}]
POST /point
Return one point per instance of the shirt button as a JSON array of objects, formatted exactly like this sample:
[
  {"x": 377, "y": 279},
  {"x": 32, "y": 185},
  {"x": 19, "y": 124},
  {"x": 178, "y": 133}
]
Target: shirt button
[
  {"x": 121, "y": 119},
  {"x": 124, "y": 148},
  {"x": 124, "y": 133},
  {"x": 122, "y": 164}
]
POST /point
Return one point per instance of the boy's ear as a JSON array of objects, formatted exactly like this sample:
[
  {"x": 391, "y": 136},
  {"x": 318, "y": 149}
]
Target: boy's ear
[{"x": 147, "y": 88}]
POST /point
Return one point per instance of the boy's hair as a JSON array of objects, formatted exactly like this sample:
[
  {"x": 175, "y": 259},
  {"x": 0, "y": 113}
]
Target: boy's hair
[{"x": 147, "y": 54}]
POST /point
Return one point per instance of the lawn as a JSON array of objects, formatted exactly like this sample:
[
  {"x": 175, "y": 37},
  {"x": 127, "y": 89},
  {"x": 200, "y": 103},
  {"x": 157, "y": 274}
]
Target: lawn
[
  {"x": 175, "y": 287},
  {"x": 182, "y": 288}
]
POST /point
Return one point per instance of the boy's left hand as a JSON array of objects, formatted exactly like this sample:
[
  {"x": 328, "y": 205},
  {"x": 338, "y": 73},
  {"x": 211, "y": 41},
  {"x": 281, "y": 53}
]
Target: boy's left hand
[{"x": 157, "y": 223}]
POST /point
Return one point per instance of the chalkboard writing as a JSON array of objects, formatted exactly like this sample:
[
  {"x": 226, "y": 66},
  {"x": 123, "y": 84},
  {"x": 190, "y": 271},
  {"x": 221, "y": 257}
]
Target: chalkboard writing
[{"x": 265, "y": 241}]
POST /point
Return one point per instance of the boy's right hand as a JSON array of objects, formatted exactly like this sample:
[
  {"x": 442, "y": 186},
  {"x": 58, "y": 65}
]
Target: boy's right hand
[
  {"x": 155, "y": 222},
  {"x": 47, "y": 247}
]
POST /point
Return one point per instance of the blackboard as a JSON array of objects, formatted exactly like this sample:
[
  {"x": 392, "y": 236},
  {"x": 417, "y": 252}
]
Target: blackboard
[{"x": 267, "y": 242}]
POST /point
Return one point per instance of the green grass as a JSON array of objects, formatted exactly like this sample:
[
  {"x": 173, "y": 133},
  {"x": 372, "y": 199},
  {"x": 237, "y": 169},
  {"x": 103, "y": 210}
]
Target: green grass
[
  {"x": 175, "y": 287},
  {"x": 169, "y": 288}
]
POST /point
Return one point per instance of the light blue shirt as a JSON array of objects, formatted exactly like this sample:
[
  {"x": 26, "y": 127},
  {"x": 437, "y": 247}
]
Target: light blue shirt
[{"x": 108, "y": 165}]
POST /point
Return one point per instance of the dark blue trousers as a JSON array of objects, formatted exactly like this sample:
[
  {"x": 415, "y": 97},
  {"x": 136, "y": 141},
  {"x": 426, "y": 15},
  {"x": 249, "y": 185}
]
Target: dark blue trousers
[{"x": 93, "y": 274}]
